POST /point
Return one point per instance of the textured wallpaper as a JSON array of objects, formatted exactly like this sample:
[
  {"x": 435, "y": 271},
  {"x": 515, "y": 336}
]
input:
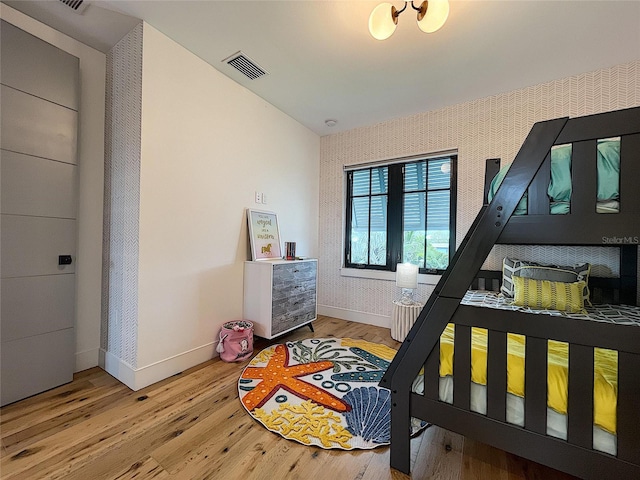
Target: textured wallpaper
[
  {"x": 122, "y": 198},
  {"x": 489, "y": 127}
]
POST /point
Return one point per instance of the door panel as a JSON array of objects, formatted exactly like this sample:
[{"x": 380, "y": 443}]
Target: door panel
[
  {"x": 51, "y": 74},
  {"x": 31, "y": 245},
  {"x": 38, "y": 147},
  {"x": 34, "y": 364},
  {"x": 37, "y": 127},
  {"x": 36, "y": 305},
  {"x": 37, "y": 186}
]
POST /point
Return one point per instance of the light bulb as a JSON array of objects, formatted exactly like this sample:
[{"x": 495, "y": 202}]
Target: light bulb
[
  {"x": 382, "y": 22},
  {"x": 437, "y": 13}
]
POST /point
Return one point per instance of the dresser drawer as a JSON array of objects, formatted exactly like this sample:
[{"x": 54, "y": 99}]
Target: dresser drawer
[
  {"x": 293, "y": 311},
  {"x": 293, "y": 279}
]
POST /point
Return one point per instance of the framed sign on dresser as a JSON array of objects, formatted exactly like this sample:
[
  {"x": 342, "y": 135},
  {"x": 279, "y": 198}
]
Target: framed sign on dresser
[{"x": 280, "y": 295}]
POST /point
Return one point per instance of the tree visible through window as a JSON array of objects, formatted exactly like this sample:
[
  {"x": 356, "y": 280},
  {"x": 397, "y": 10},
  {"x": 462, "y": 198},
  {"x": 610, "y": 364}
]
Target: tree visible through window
[{"x": 402, "y": 212}]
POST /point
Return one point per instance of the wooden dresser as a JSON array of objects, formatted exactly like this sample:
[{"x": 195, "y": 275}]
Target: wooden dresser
[{"x": 280, "y": 295}]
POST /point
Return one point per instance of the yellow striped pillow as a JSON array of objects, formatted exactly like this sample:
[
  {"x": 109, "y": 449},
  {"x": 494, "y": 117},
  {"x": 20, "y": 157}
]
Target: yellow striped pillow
[{"x": 544, "y": 294}]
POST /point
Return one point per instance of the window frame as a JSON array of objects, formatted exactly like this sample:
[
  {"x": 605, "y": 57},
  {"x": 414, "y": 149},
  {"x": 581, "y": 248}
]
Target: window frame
[{"x": 395, "y": 210}]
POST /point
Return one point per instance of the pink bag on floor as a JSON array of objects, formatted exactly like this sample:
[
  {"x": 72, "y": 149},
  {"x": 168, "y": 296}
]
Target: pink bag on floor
[{"x": 236, "y": 341}]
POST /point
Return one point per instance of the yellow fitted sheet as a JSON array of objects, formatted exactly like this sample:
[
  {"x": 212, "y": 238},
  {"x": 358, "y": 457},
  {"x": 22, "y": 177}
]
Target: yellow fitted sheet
[{"x": 605, "y": 381}]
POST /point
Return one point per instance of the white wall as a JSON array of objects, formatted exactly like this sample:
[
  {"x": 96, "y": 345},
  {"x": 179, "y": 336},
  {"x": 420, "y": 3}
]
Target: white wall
[
  {"x": 207, "y": 145},
  {"x": 491, "y": 127},
  {"x": 91, "y": 179}
]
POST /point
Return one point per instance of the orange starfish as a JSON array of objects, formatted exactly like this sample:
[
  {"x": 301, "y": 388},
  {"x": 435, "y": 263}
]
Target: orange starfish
[{"x": 279, "y": 374}]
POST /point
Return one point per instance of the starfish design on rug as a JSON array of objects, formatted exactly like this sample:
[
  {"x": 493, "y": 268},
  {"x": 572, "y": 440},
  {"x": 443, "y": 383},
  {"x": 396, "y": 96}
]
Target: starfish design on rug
[{"x": 279, "y": 374}]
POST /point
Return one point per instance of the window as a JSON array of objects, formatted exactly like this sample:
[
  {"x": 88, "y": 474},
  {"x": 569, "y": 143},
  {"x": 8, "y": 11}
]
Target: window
[{"x": 402, "y": 212}]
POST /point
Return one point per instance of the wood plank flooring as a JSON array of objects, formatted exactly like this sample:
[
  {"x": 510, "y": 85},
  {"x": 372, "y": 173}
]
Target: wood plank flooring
[{"x": 192, "y": 426}]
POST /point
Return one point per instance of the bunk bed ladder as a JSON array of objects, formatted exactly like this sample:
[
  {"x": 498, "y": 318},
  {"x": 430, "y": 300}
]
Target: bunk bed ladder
[
  {"x": 430, "y": 302},
  {"x": 453, "y": 284}
]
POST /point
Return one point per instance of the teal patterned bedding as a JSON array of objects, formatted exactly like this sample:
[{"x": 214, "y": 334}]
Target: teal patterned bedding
[
  {"x": 559, "y": 191},
  {"x": 618, "y": 314}
]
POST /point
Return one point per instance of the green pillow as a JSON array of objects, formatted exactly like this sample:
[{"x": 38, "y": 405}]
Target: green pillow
[
  {"x": 560, "y": 184},
  {"x": 559, "y": 189},
  {"x": 608, "y": 169},
  {"x": 521, "y": 209}
]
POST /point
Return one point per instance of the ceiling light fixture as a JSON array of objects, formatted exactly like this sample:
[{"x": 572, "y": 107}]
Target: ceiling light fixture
[{"x": 431, "y": 17}]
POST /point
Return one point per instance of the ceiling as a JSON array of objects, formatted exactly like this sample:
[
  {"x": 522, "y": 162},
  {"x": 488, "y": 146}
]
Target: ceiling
[{"x": 323, "y": 64}]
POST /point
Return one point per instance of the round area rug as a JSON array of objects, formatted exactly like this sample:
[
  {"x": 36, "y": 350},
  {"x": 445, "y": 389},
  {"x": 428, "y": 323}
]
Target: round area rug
[{"x": 322, "y": 391}]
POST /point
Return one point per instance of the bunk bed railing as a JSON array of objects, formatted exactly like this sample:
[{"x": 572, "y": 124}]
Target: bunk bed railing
[
  {"x": 574, "y": 228},
  {"x": 582, "y": 337}
]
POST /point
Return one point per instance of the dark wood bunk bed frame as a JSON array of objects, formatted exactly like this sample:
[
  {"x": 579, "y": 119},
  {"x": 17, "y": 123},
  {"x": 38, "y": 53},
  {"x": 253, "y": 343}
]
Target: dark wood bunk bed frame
[{"x": 495, "y": 224}]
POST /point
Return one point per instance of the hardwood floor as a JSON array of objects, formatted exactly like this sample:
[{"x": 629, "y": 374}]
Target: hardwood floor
[{"x": 192, "y": 426}]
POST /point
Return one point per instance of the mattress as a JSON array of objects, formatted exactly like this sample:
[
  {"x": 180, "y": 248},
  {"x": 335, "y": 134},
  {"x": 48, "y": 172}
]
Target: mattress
[
  {"x": 604, "y": 438},
  {"x": 603, "y": 441}
]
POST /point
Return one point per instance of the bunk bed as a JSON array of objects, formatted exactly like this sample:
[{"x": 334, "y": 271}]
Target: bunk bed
[{"x": 497, "y": 223}]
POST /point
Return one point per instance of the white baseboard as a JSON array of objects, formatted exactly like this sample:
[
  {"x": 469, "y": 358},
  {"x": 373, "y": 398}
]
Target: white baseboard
[
  {"x": 118, "y": 368},
  {"x": 355, "y": 316},
  {"x": 137, "y": 378},
  {"x": 87, "y": 359}
]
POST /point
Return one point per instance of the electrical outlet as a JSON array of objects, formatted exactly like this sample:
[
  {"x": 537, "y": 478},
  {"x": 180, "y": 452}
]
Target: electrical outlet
[
  {"x": 264, "y": 198},
  {"x": 258, "y": 197}
]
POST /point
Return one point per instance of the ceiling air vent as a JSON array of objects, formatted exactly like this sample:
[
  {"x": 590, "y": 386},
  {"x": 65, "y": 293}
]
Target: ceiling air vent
[
  {"x": 245, "y": 65},
  {"x": 77, "y": 6}
]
